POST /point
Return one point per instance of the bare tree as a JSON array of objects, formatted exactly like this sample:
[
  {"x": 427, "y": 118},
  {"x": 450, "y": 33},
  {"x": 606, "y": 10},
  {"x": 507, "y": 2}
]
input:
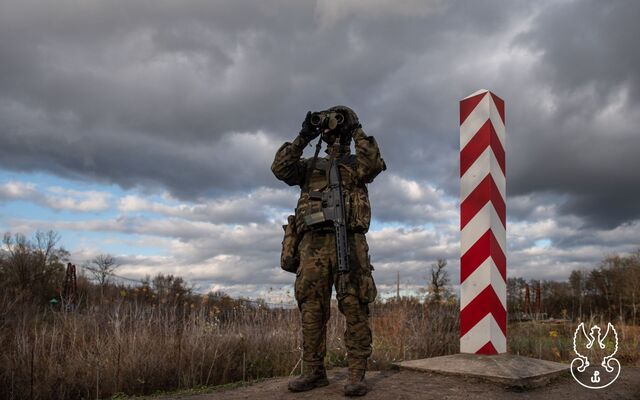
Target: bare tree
[
  {"x": 439, "y": 280},
  {"x": 102, "y": 267},
  {"x": 32, "y": 268},
  {"x": 171, "y": 288}
]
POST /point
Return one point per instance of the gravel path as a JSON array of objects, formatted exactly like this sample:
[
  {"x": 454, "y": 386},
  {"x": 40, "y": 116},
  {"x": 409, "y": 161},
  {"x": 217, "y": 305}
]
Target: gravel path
[{"x": 400, "y": 385}]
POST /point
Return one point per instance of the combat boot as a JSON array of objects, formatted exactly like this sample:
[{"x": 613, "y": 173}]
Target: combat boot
[
  {"x": 356, "y": 385},
  {"x": 312, "y": 378}
]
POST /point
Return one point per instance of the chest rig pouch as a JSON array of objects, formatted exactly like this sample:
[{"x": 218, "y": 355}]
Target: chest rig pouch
[
  {"x": 321, "y": 203},
  {"x": 309, "y": 211}
]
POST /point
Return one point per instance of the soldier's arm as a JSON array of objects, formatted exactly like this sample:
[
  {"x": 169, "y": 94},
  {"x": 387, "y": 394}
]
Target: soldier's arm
[
  {"x": 288, "y": 165},
  {"x": 368, "y": 159}
]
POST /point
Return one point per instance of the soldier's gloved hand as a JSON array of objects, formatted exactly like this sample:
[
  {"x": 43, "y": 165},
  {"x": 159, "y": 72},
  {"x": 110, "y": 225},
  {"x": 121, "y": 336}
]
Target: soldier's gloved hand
[{"x": 308, "y": 131}]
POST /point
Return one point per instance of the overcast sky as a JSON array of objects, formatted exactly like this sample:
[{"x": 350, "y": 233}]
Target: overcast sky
[{"x": 146, "y": 128}]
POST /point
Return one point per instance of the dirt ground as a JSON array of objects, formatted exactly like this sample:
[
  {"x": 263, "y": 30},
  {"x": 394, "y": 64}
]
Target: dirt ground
[{"x": 400, "y": 385}]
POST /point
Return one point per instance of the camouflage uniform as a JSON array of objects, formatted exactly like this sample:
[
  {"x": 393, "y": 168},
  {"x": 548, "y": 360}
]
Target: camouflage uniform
[{"x": 318, "y": 267}]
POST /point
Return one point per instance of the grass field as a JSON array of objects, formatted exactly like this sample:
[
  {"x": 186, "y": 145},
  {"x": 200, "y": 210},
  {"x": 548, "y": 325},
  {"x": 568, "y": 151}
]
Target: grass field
[{"x": 139, "y": 348}]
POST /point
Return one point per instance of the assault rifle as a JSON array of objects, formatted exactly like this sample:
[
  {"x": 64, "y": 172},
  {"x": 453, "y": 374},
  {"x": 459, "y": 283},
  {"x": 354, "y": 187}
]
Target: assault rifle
[{"x": 333, "y": 209}]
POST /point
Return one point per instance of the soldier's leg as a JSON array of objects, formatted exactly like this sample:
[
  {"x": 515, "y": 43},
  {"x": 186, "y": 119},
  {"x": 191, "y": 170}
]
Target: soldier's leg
[
  {"x": 313, "y": 293},
  {"x": 354, "y": 304},
  {"x": 357, "y": 336}
]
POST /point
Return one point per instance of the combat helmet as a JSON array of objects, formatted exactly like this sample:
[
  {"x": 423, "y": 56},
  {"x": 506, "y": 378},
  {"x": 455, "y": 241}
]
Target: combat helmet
[{"x": 350, "y": 123}]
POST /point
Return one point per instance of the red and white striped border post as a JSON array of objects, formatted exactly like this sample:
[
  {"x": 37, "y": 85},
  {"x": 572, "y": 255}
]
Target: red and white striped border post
[{"x": 483, "y": 264}]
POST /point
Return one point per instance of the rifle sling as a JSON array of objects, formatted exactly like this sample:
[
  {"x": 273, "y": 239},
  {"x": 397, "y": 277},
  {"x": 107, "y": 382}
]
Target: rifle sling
[{"x": 312, "y": 166}]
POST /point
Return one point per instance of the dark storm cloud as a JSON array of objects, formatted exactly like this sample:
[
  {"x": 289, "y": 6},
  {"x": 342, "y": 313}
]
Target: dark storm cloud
[
  {"x": 133, "y": 92},
  {"x": 586, "y": 144},
  {"x": 195, "y": 96}
]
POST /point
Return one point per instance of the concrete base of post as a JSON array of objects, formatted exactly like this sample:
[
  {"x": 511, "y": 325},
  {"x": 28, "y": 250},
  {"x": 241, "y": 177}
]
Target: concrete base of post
[{"x": 506, "y": 369}]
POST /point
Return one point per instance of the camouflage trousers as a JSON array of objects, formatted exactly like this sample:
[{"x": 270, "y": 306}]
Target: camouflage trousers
[{"x": 317, "y": 273}]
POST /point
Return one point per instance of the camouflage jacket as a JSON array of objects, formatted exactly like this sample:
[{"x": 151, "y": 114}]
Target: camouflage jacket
[{"x": 355, "y": 172}]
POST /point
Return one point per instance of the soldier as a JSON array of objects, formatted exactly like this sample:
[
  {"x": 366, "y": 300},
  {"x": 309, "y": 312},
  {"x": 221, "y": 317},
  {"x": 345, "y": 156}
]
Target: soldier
[{"x": 318, "y": 266}]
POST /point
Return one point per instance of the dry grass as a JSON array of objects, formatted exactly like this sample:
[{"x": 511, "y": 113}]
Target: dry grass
[
  {"x": 554, "y": 341},
  {"x": 141, "y": 348}
]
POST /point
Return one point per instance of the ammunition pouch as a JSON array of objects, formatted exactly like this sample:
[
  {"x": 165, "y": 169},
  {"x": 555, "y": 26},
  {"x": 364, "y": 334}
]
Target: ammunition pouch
[
  {"x": 310, "y": 215},
  {"x": 290, "y": 257},
  {"x": 315, "y": 216}
]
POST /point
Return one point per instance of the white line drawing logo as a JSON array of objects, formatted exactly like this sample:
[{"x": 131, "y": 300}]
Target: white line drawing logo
[{"x": 595, "y": 344}]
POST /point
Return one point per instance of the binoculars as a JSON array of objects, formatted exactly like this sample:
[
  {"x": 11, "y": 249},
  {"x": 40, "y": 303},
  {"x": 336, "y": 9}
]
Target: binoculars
[{"x": 326, "y": 119}]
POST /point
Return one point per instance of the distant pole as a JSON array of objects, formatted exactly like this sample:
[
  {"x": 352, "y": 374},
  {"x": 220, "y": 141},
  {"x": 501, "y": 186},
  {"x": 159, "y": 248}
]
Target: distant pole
[
  {"x": 538, "y": 301},
  {"x": 69, "y": 288},
  {"x": 483, "y": 293},
  {"x": 527, "y": 300},
  {"x": 398, "y": 285}
]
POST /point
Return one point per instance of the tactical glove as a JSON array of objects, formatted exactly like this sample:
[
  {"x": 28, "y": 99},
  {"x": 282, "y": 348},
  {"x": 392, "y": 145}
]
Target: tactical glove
[{"x": 308, "y": 131}]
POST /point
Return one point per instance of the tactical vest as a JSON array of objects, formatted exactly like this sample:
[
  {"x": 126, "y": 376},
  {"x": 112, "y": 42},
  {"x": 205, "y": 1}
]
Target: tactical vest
[{"x": 356, "y": 197}]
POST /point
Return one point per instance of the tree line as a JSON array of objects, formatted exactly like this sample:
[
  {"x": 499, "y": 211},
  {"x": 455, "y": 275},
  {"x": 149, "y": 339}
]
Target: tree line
[
  {"x": 610, "y": 290},
  {"x": 32, "y": 270},
  {"x": 32, "y": 274}
]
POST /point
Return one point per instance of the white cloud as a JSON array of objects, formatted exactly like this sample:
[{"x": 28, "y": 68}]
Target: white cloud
[
  {"x": 17, "y": 190},
  {"x": 56, "y": 198},
  {"x": 260, "y": 205},
  {"x": 74, "y": 200}
]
